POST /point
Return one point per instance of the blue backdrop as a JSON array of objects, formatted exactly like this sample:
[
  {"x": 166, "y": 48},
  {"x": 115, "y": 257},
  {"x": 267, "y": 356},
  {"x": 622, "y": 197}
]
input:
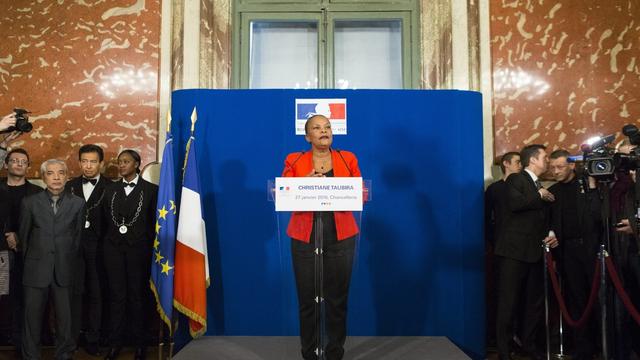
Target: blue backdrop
[{"x": 419, "y": 268}]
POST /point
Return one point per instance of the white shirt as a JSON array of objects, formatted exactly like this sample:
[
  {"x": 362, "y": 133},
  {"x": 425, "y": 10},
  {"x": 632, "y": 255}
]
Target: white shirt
[
  {"x": 533, "y": 176},
  {"x": 129, "y": 189},
  {"x": 87, "y": 188}
]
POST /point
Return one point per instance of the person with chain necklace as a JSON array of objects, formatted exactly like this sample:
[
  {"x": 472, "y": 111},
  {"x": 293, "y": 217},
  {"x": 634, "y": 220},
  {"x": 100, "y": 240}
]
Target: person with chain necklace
[
  {"x": 338, "y": 231},
  {"x": 90, "y": 275},
  {"x": 129, "y": 208}
]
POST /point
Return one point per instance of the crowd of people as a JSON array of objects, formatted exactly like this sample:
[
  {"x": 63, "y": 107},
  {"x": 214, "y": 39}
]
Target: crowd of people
[
  {"x": 524, "y": 218},
  {"x": 82, "y": 247}
]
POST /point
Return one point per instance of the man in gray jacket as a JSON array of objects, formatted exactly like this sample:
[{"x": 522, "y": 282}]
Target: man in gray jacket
[{"x": 49, "y": 239}]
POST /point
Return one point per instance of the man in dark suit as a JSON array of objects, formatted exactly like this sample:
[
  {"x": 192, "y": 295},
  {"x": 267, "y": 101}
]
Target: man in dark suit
[
  {"x": 495, "y": 213},
  {"x": 520, "y": 251},
  {"x": 576, "y": 219},
  {"x": 90, "y": 272},
  {"x": 49, "y": 239},
  {"x": 14, "y": 188}
]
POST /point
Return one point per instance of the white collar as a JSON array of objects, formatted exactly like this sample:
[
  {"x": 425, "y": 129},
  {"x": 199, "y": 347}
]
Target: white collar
[
  {"x": 134, "y": 181},
  {"x": 533, "y": 176}
]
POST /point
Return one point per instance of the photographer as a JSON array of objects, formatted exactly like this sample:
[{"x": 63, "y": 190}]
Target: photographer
[
  {"x": 624, "y": 249},
  {"x": 7, "y": 122}
]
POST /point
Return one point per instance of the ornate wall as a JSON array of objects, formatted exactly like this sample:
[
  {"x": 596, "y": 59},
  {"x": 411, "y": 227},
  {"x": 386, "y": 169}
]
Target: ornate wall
[
  {"x": 563, "y": 71},
  {"x": 88, "y": 70}
]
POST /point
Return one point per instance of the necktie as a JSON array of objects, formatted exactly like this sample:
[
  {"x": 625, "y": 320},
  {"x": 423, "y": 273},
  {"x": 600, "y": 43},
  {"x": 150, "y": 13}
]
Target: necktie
[
  {"x": 538, "y": 185},
  {"x": 54, "y": 203},
  {"x": 129, "y": 184},
  {"x": 92, "y": 181}
]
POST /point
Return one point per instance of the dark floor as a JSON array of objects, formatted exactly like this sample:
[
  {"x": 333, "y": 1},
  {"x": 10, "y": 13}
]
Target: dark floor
[
  {"x": 288, "y": 348},
  {"x": 8, "y": 353}
]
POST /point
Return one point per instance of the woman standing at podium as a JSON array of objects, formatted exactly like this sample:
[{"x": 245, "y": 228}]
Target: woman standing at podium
[{"x": 332, "y": 231}]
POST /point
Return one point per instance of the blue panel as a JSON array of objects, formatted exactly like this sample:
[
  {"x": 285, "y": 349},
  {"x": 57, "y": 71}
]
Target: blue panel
[{"x": 420, "y": 266}]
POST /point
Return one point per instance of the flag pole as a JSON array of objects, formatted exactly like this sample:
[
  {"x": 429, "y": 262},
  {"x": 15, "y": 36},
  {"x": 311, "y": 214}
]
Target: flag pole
[
  {"x": 194, "y": 118},
  {"x": 169, "y": 121}
]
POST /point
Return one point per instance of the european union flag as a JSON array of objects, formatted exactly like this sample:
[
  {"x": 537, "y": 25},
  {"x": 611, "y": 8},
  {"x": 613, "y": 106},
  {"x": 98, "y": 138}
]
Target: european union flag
[{"x": 164, "y": 244}]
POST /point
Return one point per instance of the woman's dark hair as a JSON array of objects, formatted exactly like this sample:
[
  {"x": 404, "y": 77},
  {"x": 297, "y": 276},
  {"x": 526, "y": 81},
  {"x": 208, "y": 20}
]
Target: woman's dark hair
[{"x": 134, "y": 154}]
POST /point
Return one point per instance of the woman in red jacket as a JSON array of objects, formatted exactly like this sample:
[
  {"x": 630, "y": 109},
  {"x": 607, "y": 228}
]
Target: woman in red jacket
[{"x": 337, "y": 232}]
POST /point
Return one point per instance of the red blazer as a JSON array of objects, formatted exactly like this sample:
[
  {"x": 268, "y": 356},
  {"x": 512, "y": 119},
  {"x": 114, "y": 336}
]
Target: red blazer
[{"x": 299, "y": 164}]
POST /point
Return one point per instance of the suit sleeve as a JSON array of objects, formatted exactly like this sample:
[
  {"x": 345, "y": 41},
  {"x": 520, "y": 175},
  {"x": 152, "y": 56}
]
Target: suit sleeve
[
  {"x": 104, "y": 212},
  {"x": 489, "y": 216},
  {"x": 520, "y": 198},
  {"x": 555, "y": 212},
  {"x": 289, "y": 161},
  {"x": 77, "y": 234},
  {"x": 26, "y": 220},
  {"x": 353, "y": 166}
]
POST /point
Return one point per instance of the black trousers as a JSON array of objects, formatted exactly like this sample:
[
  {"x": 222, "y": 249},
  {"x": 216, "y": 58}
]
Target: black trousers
[
  {"x": 15, "y": 296},
  {"x": 35, "y": 301},
  {"x": 127, "y": 268},
  {"x": 519, "y": 280},
  {"x": 93, "y": 282},
  {"x": 578, "y": 266},
  {"x": 337, "y": 262}
]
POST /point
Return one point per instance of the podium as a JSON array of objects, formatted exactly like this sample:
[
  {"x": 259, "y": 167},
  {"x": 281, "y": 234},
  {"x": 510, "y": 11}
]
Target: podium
[{"x": 323, "y": 196}]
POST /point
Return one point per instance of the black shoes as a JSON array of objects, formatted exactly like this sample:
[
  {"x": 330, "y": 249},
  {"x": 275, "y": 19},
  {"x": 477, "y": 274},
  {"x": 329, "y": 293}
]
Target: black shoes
[
  {"x": 113, "y": 353},
  {"x": 141, "y": 353}
]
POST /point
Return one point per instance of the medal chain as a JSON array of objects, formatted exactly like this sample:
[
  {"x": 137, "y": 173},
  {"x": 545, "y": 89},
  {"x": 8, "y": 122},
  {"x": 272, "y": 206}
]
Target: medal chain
[{"x": 135, "y": 217}]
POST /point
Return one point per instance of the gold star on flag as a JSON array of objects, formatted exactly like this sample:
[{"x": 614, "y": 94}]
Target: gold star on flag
[
  {"x": 173, "y": 206},
  {"x": 157, "y": 227},
  {"x": 158, "y": 258},
  {"x": 156, "y": 243},
  {"x": 163, "y": 212},
  {"x": 166, "y": 267}
]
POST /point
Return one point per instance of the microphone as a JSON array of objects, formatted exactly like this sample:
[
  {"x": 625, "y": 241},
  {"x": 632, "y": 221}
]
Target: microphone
[
  {"x": 290, "y": 167},
  {"x": 597, "y": 142},
  {"x": 575, "y": 158},
  {"x": 344, "y": 161}
]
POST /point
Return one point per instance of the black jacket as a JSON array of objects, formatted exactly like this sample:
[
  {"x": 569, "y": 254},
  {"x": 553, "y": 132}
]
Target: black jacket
[
  {"x": 118, "y": 208},
  {"x": 527, "y": 223},
  {"x": 10, "y": 213},
  {"x": 93, "y": 210},
  {"x": 589, "y": 213}
]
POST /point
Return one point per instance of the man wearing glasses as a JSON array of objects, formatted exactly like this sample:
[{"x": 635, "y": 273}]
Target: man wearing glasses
[{"x": 13, "y": 189}]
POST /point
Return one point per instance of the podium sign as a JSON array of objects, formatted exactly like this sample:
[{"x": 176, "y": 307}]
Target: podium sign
[{"x": 318, "y": 194}]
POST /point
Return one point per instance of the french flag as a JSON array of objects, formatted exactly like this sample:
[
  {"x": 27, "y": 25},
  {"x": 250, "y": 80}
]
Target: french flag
[
  {"x": 191, "y": 278},
  {"x": 333, "y": 110}
]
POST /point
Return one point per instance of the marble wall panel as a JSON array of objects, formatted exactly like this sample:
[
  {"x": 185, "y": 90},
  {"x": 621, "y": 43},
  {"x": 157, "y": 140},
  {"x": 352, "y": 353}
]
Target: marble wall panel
[
  {"x": 563, "y": 71},
  {"x": 88, "y": 70}
]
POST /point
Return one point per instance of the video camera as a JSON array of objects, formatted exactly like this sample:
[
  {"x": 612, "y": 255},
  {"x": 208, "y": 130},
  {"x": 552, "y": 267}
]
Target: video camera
[
  {"x": 22, "y": 122},
  {"x": 601, "y": 161}
]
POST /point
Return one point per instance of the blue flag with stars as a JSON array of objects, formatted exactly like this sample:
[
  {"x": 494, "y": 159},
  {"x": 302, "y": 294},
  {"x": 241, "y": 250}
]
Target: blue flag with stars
[{"x": 165, "y": 242}]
